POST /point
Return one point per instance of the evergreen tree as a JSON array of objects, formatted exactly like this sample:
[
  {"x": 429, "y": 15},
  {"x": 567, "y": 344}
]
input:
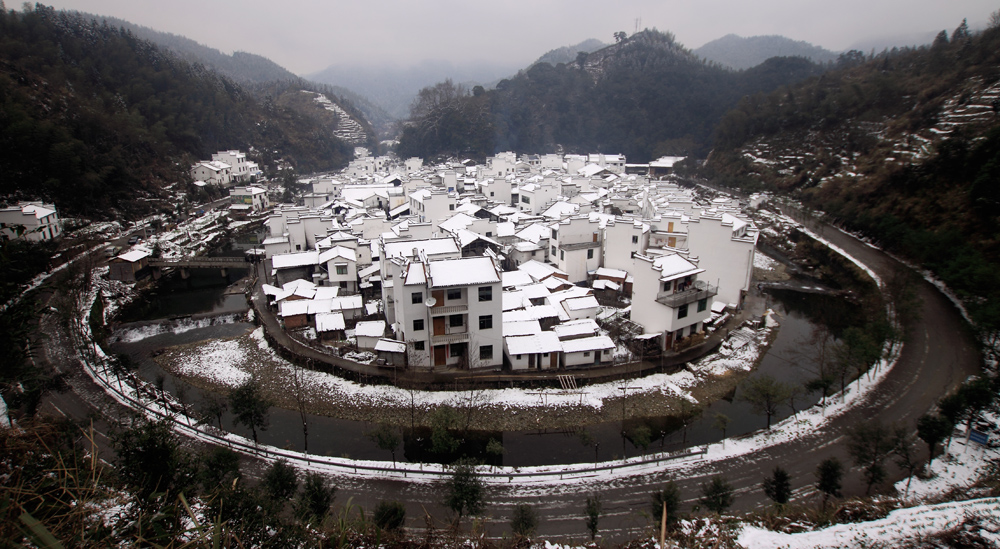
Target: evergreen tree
[
  {"x": 250, "y": 406},
  {"x": 716, "y": 495},
  {"x": 669, "y": 497},
  {"x": 316, "y": 498},
  {"x": 778, "y": 486},
  {"x": 280, "y": 481},
  {"x": 765, "y": 394},
  {"x": 962, "y": 32},
  {"x": 592, "y": 514},
  {"x": 932, "y": 429},
  {"x": 523, "y": 522},
  {"x": 869, "y": 443},
  {"x": 466, "y": 491},
  {"x": 389, "y": 515},
  {"x": 828, "y": 475}
]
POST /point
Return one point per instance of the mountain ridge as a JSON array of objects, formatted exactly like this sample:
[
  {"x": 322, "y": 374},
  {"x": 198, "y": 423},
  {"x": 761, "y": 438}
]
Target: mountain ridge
[{"x": 739, "y": 53}]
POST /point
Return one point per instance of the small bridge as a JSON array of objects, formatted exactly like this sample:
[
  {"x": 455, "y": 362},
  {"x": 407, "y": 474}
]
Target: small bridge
[
  {"x": 197, "y": 262},
  {"x": 185, "y": 264}
]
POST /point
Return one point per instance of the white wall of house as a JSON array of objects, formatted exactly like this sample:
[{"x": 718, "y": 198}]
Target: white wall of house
[
  {"x": 237, "y": 161},
  {"x": 725, "y": 246},
  {"x": 655, "y": 317},
  {"x": 576, "y": 247},
  {"x": 622, "y": 238},
  {"x": 40, "y": 221}
]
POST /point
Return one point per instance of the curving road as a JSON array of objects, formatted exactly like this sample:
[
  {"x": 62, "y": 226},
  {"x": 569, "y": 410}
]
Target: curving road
[{"x": 939, "y": 354}]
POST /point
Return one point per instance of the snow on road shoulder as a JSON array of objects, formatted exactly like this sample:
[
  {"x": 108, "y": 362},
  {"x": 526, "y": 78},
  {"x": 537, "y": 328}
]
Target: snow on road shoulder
[{"x": 901, "y": 525}]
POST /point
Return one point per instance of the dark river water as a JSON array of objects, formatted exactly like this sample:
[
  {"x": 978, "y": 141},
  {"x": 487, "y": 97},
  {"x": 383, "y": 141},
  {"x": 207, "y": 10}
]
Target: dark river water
[{"x": 787, "y": 360}]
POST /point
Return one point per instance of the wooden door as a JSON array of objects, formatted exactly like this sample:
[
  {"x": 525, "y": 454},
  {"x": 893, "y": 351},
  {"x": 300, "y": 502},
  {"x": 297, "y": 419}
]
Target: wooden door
[
  {"x": 440, "y": 355},
  {"x": 553, "y": 360},
  {"x": 438, "y": 295},
  {"x": 439, "y": 328}
]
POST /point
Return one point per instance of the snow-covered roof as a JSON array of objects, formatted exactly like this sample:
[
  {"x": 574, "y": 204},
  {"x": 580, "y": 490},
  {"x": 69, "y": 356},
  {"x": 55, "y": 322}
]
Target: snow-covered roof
[
  {"x": 521, "y": 327},
  {"x": 560, "y": 210},
  {"x": 673, "y": 266},
  {"x": 135, "y": 254},
  {"x": 370, "y": 270},
  {"x": 390, "y": 346},
  {"x": 606, "y": 285},
  {"x": 275, "y": 240},
  {"x": 337, "y": 251},
  {"x": 415, "y": 274},
  {"x": 370, "y": 328},
  {"x": 539, "y": 270},
  {"x": 328, "y": 322},
  {"x": 542, "y": 342},
  {"x": 462, "y": 272},
  {"x": 595, "y": 343},
  {"x": 434, "y": 246},
  {"x": 611, "y": 273},
  {"x": 326, "y": 292},
  {"x": 514, "y": 300},
  {"x": 515, "y": 278},
  {"x": 535, "y": 291},
  {"x": 586, "y": 326},
  {"x": 346, "y": 303},
  {"x": 581, "y": 303},
  {"x": 299, "y": 259}
]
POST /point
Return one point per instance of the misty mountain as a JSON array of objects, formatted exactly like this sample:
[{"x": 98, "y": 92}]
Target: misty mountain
[
  {"x": 902, "y": 147},
  {"x": 741, "y": 53},
  {"x": 394, "y": 88},
  {"x": 254, "y": 71},
  {"x": 567, "y": 54},
  {"x": 645, "y": 96},
  {"x": 99, "y": 120}
]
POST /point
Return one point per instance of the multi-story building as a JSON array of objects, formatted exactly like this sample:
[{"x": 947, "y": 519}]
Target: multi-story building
[
  {"x": 449, "y": 312},
  {"x": 668, "y": 298},
  {"x": 576, "y": 247}
]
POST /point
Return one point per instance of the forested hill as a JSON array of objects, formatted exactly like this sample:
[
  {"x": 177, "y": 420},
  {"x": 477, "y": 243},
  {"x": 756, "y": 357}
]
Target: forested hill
[
  {"x": 259, "y": 74},
  {"x": 95, "y": 119},
  {"x": 740, "y": 53},
  {"x": 644, "y": 96},
  {"x": 903, "y": 146}
]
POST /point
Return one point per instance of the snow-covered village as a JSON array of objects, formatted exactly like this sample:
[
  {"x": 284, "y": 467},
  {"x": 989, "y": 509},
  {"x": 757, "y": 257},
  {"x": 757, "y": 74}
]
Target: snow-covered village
[{"x": 499, "y": 321}]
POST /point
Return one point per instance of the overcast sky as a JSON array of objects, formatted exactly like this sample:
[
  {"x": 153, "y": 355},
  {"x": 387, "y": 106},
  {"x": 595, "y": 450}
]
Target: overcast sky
[{"x": 307, "y": 36}]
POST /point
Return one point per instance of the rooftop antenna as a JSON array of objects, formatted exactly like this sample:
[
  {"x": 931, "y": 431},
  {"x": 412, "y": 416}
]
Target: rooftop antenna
[{"x": 638, "y": 22}]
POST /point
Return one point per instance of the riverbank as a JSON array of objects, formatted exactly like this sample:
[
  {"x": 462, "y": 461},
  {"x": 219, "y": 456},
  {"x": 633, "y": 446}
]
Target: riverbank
[{"x": 219, "y": 365}]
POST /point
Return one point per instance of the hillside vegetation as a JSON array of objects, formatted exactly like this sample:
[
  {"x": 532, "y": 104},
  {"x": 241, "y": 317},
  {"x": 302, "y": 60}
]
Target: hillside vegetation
[
  {"x": 94, "y": 118},
  {"x": 644, "y": 96},
  {"x": 740, "y": 53},
  {"x": 903, "y": 146}
]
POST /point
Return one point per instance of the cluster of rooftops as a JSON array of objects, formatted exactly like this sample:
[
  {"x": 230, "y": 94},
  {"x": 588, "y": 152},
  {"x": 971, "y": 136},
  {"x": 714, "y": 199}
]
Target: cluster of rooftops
[{"x": 506, "y": 265}]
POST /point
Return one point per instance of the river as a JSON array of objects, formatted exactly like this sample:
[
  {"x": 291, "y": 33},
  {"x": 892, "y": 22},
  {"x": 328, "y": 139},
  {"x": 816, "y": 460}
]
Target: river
[{"x": 788, "y": 359}]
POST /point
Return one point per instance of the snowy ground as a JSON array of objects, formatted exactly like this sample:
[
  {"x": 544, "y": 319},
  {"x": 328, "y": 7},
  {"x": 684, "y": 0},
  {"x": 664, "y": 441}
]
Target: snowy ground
[
  {"x": 229, "y": 363},
  {"x": 901, "y": 526}
]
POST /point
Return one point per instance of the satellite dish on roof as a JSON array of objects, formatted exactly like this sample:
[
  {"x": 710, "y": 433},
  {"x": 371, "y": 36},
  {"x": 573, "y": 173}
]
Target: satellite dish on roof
[{"x": 430, "y": 301}]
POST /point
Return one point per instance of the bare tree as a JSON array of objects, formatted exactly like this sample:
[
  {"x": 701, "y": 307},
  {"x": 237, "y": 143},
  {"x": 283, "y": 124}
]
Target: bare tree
[{"x": 302, "y": 402}]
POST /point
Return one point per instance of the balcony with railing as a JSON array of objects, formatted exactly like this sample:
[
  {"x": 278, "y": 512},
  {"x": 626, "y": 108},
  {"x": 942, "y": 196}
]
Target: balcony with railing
[
  {"x": 456, "y": 309},
  {"x": 698, "y": 291},
  {"x": 449, "y": 338}
]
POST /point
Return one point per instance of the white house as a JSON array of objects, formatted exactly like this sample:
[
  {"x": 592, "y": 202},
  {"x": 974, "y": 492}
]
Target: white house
[
  {"x": 34, "y": 221},
  {"x": 449, "y": 312},
  {"x": 240, "y": 167},
  {"x": 668, "y": 298},
  {"x": 255, "y": 197},
  {"x": 341, "y": 264},
  {"x": 576, "y": 247},
  {"x": 215, "y": 173}
]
